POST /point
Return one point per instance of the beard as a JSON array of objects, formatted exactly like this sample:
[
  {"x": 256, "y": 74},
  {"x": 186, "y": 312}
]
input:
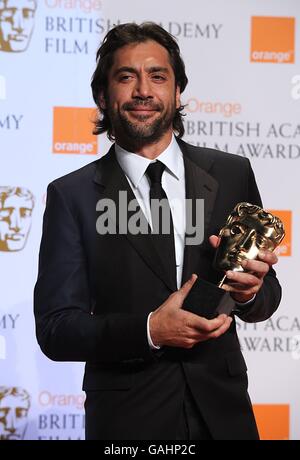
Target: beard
[{"x": 142, "y": 132}]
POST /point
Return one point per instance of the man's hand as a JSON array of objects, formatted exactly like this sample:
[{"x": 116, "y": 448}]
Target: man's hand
[
  {"x": 244, "y": 285},
  {"x": 172, "y": 326}
]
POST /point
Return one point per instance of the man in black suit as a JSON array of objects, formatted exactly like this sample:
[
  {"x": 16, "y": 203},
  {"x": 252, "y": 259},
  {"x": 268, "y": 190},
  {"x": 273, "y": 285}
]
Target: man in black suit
[{"x": 112, "y": 297}]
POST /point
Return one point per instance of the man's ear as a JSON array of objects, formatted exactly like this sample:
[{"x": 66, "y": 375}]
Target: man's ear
[
  {"x": 102, "y": 101},
  {"x": 177, "y": 97}
]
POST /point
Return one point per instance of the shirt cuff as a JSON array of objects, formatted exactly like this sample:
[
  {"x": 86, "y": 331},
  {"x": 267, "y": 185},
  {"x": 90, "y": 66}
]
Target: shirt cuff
[
  {"x": 242, "y": 304},
  {"x": 151, "y": 344},
  {"x": 241, "y": 307}
]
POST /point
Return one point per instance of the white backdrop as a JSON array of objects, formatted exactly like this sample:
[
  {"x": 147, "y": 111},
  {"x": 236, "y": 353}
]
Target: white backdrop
[{"x": 242, "y": 59}]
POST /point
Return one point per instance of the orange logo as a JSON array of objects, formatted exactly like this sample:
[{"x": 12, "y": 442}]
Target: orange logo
[
  {"x": 227, "y": 109},
  {"x": 285, "y": 247},
  {"x": 72, "y": 131},
  {"x": 272, "y": 39},
  {"x": 273, "y": 421}
]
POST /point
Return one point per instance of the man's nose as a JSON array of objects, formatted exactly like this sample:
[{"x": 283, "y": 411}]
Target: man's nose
[
  {"x": 18, "y": 21},
  {"x": 15, "y": 223},
  {"x": 142, "y": 87},
  {"x": 246, "y": 240}
]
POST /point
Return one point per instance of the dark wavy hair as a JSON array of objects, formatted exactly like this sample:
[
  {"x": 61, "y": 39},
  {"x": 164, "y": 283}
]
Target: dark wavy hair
[{"x": 125, "y": 34}]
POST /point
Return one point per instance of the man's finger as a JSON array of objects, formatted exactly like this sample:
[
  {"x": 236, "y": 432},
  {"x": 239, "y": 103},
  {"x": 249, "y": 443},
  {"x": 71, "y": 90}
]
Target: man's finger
[
  {"x": 214, "y": 241},
  {"x": 256, "y": 266},
  {"x": 208, "y": 325},
  {"x": 222, "y": 329},
  {"x": 185, "y": 289},
  {"x": 246, "y": 279},
  {"x": 269, "y": 257}
]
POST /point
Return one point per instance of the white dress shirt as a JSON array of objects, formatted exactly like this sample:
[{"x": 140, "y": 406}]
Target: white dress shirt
[{"x": 173, "y": 182}]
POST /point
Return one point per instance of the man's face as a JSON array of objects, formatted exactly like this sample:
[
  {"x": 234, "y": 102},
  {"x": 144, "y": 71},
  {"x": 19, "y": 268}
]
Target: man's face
[
  {"x": 141, "y": 98},
  {"x": 240, "y": 240},
  {"x": 16, "y": 24},
  {"x": 13, "y": 417},
  {"x": 15, "y": 222}
]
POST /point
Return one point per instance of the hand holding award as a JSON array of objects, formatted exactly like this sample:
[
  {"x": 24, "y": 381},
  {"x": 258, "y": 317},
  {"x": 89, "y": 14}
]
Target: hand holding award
[{"x": 248, "y": 230}]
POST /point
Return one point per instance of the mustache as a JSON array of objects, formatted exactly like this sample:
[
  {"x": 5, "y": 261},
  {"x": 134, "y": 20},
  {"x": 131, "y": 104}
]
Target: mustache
[{"x": 143, "y": 103}]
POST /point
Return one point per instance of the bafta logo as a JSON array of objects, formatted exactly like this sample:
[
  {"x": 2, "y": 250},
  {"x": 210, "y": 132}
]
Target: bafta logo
[
  {"x": 16, "y": 206},
  {"x": 249, "y": 229},
  {"x": 14, "y": 408},
  {"x": 16, "y": 24}
]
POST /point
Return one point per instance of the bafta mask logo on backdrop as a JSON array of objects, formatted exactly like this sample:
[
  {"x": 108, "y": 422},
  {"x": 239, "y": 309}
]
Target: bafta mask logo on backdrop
[
  {"x": 273, "y": 421},
  {"x": 16, "y": 206},
  {"x": 273, "y": 39},
  {"x": 72, "y": 131},
  {"x": 14, "y": 408},
  {"x": 16, "y": 24}
]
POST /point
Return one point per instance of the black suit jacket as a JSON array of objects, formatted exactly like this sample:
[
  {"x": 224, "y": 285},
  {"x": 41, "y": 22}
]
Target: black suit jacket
[{"x": 94, "y": 293}]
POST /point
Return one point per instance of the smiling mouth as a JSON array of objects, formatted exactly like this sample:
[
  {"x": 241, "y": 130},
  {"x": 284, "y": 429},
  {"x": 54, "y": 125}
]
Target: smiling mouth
[
  {"x": 142, "y": 111},
  {"x": 142, "y": 114}
]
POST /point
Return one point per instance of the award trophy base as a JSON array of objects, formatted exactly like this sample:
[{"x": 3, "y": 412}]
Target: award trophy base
[{"x": 207, "y": 300}]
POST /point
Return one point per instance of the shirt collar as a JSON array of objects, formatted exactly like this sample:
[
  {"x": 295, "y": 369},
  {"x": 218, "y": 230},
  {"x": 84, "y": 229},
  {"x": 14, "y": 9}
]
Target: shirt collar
[{"x": 134, "y": 166}]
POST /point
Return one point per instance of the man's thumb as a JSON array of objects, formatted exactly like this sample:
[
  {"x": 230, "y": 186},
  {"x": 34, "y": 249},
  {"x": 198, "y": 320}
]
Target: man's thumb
[
  {"x": 185, "y": 289},
  {"x": 214, "y": 241}
]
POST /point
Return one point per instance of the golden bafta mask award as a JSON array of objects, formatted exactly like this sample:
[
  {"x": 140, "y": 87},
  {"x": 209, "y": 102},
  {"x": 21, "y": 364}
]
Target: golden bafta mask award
[{"x": 248, "y": 230}]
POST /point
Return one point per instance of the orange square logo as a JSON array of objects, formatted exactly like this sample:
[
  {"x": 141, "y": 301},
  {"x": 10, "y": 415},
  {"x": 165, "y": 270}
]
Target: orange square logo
[
  {"x": 72, "y": 131},
  {"x": 273, "y": 421},
  {"x": 272, "y": 39},
  {"x": 285, "y": 247}
]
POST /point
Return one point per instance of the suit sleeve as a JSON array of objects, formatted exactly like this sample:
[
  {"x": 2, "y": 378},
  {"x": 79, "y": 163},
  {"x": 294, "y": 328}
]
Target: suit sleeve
[
  {"x": 65, "y": 326},
  {"x": 268, "y": 298}
]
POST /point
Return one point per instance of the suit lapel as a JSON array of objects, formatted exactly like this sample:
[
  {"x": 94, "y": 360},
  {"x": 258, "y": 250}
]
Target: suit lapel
[
  {"x": 199, "y": 185},
  {"x": 112, "y": 180}
]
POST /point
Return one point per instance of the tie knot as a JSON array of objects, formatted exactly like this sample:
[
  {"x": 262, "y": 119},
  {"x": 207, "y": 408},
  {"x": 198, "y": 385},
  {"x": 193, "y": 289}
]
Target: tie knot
[{"x": 154, "y": 172}]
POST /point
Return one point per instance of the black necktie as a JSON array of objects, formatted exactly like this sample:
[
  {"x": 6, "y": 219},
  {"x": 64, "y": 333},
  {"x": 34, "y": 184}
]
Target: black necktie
[{"x": 162, "y": 223}]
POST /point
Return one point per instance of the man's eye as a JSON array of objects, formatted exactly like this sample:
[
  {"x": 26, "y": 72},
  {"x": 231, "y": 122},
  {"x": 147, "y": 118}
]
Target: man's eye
[
  {"x": 159, "y": 77},
  {"x": 125, "y": 78}
]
